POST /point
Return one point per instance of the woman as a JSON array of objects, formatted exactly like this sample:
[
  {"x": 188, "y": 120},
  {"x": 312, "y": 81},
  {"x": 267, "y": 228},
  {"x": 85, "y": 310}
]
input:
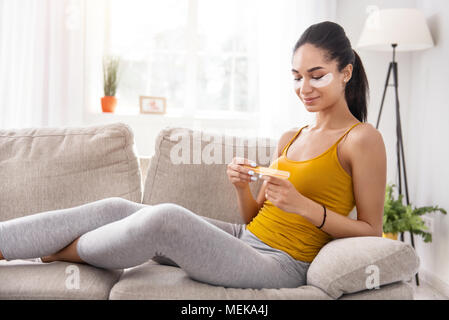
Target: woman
[{"x": 335, "y": 164}]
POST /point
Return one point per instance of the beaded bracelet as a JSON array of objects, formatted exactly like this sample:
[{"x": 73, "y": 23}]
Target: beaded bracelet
[{"x": 324, "y": 218}]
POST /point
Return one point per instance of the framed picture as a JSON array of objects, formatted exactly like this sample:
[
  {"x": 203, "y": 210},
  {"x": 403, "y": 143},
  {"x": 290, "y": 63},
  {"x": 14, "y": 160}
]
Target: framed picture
[{"x": 152, "y": 104}]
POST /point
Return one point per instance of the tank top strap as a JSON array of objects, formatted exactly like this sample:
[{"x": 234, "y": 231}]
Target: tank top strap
[
  {"x": 291, "y": 140},
  {"x": 347, "y": 131}
]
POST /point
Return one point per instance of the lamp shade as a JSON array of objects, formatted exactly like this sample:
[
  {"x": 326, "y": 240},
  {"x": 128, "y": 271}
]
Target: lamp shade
[{"x": 405, "y": 27}]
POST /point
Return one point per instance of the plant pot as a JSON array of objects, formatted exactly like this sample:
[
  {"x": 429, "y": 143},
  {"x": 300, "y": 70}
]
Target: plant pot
[
  {"x": 392, "y": 236},
  {"x": 108, "y": 103}
]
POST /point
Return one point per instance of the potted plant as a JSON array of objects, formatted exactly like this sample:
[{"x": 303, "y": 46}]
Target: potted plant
[
  {"x": 400, "y": 218},
  {"x": 110, "y": 81}
]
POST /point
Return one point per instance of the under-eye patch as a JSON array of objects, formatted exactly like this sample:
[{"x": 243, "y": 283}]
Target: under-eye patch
[{"x": 316, "y": 83}]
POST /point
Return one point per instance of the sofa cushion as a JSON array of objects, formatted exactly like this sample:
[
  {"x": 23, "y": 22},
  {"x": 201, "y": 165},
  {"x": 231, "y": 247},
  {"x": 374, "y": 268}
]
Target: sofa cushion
[
  {"x": 189, "y": 168},
  {"x": 153, "y": 281},
  {"x": 394, "y": 291},
  {"x": 22, "y": 279},
  {"x": 350, "y": 265},
  {"x": 44, "y": 169}
]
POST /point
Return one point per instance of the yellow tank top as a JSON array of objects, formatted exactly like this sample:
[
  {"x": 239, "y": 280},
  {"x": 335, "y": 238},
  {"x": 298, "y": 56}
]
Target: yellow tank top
[{"x": 321, "y": 179}]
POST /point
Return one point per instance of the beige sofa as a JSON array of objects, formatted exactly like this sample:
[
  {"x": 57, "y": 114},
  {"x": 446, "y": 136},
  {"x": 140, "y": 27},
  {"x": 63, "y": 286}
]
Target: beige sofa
[{"x": 51, "y": 168}]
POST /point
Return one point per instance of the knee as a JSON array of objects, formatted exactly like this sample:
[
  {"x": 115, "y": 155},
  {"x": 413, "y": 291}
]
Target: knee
[
  {"x": 166, "y": 216},
  {"x": 161, "y": 218},
  {"x": 121, "y": 206},
  {"x": 117, "y": 201}
]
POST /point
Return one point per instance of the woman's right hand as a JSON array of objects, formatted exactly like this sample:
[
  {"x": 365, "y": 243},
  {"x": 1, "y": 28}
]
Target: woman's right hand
[{"x": 239, "y": 175}]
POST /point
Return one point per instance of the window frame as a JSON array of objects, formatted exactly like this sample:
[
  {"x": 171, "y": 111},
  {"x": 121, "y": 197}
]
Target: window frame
[{"x": 193, "y": 54}]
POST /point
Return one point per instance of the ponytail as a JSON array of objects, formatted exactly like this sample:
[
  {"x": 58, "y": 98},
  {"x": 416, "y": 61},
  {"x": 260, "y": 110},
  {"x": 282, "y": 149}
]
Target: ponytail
[{"x": 357, "y": 90}]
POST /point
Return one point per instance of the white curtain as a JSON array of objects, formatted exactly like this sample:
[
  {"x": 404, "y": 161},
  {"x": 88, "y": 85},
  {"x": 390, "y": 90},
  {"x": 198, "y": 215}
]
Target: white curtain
[
  {"x": 41, "y": 63},
  {"x": 281, "y": 23}
]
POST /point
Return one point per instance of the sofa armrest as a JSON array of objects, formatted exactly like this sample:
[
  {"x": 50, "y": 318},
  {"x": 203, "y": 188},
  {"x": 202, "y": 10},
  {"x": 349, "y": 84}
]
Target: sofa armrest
[{"x": 349, "y": 265}]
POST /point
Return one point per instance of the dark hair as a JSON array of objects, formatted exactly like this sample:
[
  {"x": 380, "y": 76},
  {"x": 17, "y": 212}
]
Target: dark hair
[{"x": 332, "y": 38}]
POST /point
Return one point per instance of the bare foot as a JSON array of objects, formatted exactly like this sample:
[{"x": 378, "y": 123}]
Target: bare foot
[
  {"x": 68, "y": 254},
  {"x": 48, "y": 259}
]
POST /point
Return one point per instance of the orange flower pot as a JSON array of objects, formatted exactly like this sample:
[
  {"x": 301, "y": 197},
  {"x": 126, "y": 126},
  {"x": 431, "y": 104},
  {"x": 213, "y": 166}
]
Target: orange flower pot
[
  {"x": 108, "y": 103},
  {"x": 393, "y": 236}
]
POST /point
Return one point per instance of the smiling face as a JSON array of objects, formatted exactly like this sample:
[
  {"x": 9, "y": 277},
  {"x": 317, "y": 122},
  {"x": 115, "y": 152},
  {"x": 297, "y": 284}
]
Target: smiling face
[{"x": 317, "y": 81}]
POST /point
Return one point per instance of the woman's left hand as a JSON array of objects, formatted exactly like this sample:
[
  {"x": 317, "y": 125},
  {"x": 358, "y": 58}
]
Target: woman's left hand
[{"x": 283, "y": 194}]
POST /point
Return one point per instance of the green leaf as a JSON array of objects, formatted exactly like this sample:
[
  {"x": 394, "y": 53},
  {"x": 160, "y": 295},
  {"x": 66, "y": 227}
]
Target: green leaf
[
  {"x": 111, "y": 66},
  {"x": 401, "y": 218}
]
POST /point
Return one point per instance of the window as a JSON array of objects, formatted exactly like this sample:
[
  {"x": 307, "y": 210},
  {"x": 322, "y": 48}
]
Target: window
[{"x": 196, "y": 53}]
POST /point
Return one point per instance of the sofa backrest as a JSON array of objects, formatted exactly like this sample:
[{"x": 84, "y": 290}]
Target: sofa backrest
[
  {"x": 189, "y": 168},
  {"x": 45, "y": 169}
]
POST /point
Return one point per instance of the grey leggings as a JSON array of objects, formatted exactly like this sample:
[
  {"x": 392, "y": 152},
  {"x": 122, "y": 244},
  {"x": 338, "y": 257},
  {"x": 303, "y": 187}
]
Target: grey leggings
[{"x": 116, "y": 234}]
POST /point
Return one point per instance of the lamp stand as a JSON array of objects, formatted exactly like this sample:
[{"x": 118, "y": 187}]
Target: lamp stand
[{"x": 399, "y": 145}]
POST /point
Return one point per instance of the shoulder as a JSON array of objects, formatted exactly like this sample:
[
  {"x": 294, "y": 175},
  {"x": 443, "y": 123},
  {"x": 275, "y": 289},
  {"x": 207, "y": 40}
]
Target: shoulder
[
  {"x": 285, "y": 139},
  {"x": 287, "y": 136},
  {"x": 365, "y": 133},
  {"x": 367, "y": 139}
]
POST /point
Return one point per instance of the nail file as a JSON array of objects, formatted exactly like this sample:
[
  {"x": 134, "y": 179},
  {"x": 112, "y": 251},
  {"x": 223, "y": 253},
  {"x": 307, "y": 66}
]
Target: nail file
[{"x": 270, "y": 172}]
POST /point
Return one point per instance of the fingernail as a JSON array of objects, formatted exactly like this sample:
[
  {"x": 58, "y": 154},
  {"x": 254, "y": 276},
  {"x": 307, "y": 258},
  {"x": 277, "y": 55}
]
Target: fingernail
[
  {"x": 250, "y": 172},
  {"x": 253, "y": 164},
  {"x": 253, "y": 178}
]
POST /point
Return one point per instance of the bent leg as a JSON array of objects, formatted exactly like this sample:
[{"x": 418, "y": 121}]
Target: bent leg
[
  {"x": 206, "y": 252},
  {"x": 231, "y": 228},
  {"x": 46, "y": 233}
]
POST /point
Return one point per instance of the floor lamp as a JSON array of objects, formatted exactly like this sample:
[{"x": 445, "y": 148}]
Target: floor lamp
[{"x": 396, "y": 30}]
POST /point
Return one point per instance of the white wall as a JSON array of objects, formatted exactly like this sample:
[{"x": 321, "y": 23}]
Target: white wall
[
  {"x": 427, "y": 136},
  {"x": 423, "y": 87}
]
